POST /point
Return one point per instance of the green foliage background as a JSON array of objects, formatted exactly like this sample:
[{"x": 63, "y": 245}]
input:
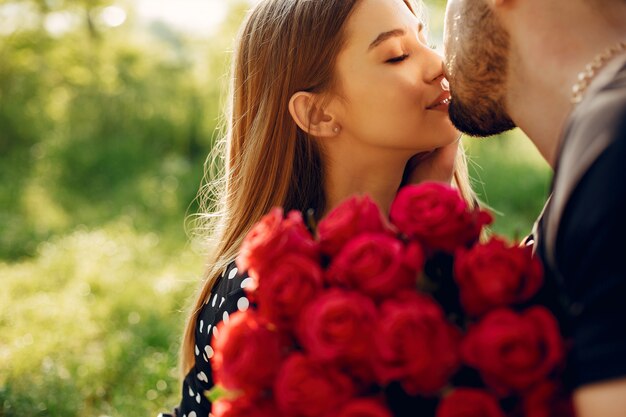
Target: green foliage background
[{"x": 103, "y": 136}]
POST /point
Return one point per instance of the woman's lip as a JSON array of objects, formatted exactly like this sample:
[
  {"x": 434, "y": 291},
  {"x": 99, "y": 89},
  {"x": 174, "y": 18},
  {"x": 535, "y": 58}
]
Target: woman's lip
[
  {"x": 443, "y": 106},
  {"x": 443, "y": 100}
]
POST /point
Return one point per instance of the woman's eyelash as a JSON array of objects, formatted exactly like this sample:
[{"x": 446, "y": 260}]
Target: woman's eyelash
[
  {"x": 432, "y": 46},
  {"x": 397, "y": 59}
]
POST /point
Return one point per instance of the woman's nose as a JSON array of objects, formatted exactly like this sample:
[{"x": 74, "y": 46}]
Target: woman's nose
[{"x": 434, "y": 69}]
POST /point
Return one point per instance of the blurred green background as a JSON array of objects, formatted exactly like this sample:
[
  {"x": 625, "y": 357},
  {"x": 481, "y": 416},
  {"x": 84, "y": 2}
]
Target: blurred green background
[{"x": 107, "y": 112}]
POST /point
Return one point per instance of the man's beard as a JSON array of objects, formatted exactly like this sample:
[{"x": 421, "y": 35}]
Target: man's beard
[{"x": 478, "y": 68}]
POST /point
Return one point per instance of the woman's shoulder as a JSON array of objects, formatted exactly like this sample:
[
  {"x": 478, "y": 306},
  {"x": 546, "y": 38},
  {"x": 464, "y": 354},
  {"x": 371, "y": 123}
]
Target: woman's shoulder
[
  {"x": 231, "y": 284},
  {"x": 226, "y": 297},
  {"x": 230, "y": 280}
]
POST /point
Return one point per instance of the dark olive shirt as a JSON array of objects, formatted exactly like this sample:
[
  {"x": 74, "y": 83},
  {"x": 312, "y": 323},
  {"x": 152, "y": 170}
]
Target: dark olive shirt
[{"x": 582, "y": 235}]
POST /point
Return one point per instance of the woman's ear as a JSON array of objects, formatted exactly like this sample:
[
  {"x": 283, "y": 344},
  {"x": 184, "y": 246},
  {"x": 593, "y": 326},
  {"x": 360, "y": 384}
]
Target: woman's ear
[{"x": 311, "y": 118}]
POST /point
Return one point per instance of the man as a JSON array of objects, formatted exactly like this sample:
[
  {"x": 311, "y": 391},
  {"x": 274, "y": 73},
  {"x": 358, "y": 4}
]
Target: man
[{"x": 557, "y": 69}]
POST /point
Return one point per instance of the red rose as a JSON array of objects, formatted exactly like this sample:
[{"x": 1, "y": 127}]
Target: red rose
[
  {"x": 247, "y": 354},
  {"x": 338, "y": 327},
  {"x": 376, "y": 265},
  {"x": 415, "y": 344},
  {"x": 436, "y": 214},
  {"x": 465, "y": 402},
  {"x": 496, "y": 275},
  {"x": 548, "y": 399},
  {"x": 306, "y": 388},
  {"x": 283, "y": 290},
  {"x": 354, "y": 216},
  {"x": 514, "y": 351},
  {"x": 272, "y": 237},
  {"x": 222, "y": 408},
  {"x": 365, "y": 407},
  {"x": 244, "y": 407}
]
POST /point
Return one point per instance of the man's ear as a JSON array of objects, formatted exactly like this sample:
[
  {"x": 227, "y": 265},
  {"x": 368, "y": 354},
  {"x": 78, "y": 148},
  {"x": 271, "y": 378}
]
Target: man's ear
[{"x": 311, "y": 118}]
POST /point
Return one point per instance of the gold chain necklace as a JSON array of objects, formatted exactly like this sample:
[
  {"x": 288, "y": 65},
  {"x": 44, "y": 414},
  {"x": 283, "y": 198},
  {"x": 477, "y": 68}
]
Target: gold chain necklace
[{"x": 585, "y": 77}]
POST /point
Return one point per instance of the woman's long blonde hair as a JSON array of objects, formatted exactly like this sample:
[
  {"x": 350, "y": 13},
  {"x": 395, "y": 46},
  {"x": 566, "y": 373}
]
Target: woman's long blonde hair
[{"x": 265, "y": 160}]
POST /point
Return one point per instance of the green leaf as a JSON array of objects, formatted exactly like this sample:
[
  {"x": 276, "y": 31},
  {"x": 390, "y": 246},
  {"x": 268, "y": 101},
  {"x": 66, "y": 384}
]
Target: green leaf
[{"x": 218, "y": 392}]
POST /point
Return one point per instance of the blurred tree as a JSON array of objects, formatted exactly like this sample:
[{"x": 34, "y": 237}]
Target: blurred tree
[{"x": 98, "y": 122}]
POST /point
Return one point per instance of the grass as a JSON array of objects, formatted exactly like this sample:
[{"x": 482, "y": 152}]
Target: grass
[{"x": 90, "y": 325}]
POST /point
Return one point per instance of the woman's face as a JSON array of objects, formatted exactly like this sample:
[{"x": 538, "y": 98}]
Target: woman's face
[{"x": 390, "y": 81}]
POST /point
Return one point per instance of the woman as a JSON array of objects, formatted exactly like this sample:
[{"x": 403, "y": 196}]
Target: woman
[{"x": 329, "y": 98}]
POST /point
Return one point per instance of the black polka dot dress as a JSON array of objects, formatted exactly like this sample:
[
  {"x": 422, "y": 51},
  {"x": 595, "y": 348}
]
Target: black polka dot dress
[{"x": 227, "y": 297}]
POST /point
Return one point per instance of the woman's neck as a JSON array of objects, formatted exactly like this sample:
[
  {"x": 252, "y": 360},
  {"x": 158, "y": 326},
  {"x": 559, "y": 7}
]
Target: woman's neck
[{"x": 373, "y": 173}]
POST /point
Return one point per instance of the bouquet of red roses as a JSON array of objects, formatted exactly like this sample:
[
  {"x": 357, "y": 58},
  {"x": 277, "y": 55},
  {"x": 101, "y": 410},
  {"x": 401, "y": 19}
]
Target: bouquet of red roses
[{"x": 366, "y": 313}]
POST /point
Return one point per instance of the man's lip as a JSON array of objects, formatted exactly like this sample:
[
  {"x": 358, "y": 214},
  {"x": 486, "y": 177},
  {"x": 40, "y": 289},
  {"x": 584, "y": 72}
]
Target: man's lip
[{"x": 445, "y": 95}]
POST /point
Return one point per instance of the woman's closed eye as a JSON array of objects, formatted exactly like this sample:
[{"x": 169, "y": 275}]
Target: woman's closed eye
[{"x": 397, "y": 59}]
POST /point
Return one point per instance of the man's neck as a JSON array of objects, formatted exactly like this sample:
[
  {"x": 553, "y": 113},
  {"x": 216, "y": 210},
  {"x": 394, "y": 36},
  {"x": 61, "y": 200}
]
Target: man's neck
[
  {"x": 544, "y": 66},
  {"x": 541, "y": 112}
]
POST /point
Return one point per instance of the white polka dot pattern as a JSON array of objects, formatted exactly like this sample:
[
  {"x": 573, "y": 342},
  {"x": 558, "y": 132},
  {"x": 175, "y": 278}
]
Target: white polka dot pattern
[
  {"x": 233, "y": 273},
  {"x": 243, "y": 304},
  {"x": 209, "y": 351},
  {"x": 246, "y": 283}
]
